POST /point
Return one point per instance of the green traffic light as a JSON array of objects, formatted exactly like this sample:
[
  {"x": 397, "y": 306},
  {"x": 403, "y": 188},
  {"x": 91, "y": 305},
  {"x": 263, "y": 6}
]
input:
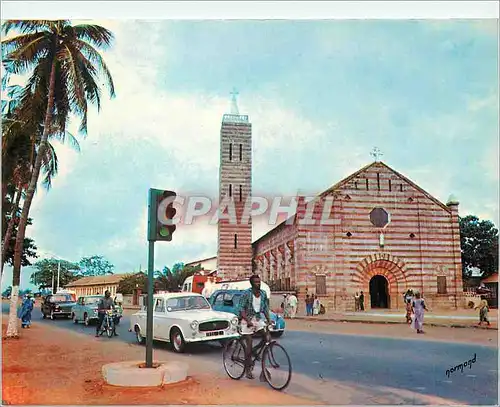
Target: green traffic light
[{"x": 164, "y": 232}]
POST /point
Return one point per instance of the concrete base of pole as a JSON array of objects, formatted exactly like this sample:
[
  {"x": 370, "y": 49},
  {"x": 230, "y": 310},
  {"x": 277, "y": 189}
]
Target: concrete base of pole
[{"x": 134, "y": 374}]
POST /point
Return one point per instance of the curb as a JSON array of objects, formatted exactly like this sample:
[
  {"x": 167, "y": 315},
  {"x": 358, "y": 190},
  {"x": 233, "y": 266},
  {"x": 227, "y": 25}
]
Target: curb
[
  {"x": 130, "y": 374},
  {"x": 395, "y": 323}
]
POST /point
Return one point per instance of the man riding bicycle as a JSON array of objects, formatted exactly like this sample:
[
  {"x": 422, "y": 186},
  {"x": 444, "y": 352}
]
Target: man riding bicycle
[
  {"x": 106, "y": 303},
  {"x": 253, "y": 305}
]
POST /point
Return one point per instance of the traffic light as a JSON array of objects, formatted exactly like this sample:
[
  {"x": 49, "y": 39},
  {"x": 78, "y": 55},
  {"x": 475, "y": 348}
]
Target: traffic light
[{"x": 160, "y": 215}]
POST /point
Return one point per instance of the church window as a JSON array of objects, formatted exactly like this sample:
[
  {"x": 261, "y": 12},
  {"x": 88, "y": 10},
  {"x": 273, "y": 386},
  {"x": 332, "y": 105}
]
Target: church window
[
  {"x": 390, "y": 185},
  {"x": 401, "y": 187},
  {"x": 379, "y": 217},
  {"x": 412, "y": 235},
  {"x": 230, "y": 151},
  {"x": 241, "y": 152},
  {"x": 230, "y": 190},
  {"x": 320, "y": 284},
  {"x": 356, "y": 184},
  {"x": 241, "y": 193},
  {"x": 235, "y": 241},
  {"x": 348, "y": 234},
  {"x": 378, "y": 181},
  {"x": 367, "y": 184},
  {"x": 441, "y": 285}
]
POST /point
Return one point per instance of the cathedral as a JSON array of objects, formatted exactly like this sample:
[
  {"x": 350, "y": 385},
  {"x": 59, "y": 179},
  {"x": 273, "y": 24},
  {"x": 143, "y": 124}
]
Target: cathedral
[{"x": 387, "y": 235}]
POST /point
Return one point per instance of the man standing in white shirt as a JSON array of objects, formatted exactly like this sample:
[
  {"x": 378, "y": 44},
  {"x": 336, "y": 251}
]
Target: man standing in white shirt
[{"x": 292, "y": 303}]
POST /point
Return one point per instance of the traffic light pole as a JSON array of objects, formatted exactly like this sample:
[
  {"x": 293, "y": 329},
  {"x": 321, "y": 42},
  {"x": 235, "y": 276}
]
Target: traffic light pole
[{"x": 149, "y": 318}]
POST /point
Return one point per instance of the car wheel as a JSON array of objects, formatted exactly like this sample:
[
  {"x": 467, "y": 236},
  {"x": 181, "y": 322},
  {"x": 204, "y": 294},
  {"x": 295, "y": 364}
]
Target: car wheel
[
  {"x": 86, "y": 320},
  {"x": 177, "y": 340},
  {"x": 138, "y": 336},
  {"x": 73, "y": 316},
  {"x": 52, "y": 316}
]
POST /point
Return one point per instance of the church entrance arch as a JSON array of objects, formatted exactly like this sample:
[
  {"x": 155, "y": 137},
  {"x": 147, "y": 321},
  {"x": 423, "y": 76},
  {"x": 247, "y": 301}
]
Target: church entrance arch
[
  {"x": 379, "y": 292},
  {"x": 391, "y": 270}
]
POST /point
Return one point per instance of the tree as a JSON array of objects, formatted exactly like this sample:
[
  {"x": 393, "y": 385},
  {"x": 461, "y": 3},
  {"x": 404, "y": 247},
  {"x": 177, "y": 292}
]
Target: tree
[
  {"x": 47, "y": 269},
  {"x": 65, "y": 64},
  {"x": 171, "y": 280},
  {"x": 95, "y": 266},
  {"x": 131, "y": 282},
  {"x": 29, "y": 247},
  {"x": 479, "y": 243}
]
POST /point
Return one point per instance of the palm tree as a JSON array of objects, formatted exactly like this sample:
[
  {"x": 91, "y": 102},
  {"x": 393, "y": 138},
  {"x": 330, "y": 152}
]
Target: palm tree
[
  {"x": 65, "y": 63},
  {"x": 18, "y": 157}
]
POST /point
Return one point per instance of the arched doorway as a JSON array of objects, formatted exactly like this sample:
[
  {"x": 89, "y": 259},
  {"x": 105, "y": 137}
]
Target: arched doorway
[{"x": 379, "y": 292}]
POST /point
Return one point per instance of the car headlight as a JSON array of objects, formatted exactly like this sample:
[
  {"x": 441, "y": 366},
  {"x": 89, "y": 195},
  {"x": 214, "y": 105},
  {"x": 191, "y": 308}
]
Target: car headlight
[
  {"x": 234, "y": 321},
  {"x": 194, "y": 325}
]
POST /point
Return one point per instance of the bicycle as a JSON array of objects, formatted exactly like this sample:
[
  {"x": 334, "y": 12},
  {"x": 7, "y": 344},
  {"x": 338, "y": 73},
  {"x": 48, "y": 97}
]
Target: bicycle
[
  {"x": 108, "y": 324},
  {"x": 264, "y": 351}
]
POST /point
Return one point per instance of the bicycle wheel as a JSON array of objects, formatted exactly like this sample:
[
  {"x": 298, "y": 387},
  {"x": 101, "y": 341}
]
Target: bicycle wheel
[
  {"x": 276, "y": 366},
  {"x": 233, "y": 359}
]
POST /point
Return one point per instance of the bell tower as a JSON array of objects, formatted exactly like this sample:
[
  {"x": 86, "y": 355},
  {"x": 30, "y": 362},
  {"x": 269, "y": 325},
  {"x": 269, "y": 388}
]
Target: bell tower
[{"x": 234, "y": 251}]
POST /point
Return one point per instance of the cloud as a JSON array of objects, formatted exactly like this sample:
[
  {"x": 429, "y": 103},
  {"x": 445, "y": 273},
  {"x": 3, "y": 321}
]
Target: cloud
[{"x": 319, "y": 98}]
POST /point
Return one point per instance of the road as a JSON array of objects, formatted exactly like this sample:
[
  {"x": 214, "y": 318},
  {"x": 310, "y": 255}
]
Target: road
[{"x": 371, "y": 362}]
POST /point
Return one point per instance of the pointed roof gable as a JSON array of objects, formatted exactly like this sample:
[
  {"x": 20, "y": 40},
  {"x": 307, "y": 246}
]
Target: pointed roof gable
[
  {"x": 380, "y": 163},
  {"x": 349, "y": 178}
]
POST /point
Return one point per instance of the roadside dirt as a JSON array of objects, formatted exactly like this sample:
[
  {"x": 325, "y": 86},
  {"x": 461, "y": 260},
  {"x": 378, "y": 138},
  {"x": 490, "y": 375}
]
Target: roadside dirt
[
  {"x": 49, "y": 365},
  {"x": 487, "y": 337}
]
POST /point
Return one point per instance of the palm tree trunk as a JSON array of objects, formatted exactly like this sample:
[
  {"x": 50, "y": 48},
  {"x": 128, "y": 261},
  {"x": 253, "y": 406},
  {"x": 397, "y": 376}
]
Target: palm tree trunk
[
  {"x": 13, "y": 327},
  {"x": 10, "y": 227}
]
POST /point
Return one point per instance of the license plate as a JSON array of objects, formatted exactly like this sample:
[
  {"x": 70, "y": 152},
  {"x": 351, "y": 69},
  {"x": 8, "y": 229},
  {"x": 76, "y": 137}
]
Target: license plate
[{"x": 216, "y": 333}]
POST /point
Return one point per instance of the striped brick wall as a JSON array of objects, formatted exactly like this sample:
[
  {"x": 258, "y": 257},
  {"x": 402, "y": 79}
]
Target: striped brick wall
[
  {"x": 420, "y": 243},
  {"x": 234, "y": 258}
]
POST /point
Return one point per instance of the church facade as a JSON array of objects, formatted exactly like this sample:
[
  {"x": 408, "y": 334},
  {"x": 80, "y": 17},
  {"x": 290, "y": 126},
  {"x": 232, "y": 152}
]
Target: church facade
[{"x": 386, "y": 235}]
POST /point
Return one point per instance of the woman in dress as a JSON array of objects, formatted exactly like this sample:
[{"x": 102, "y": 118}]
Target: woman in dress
[
  {"x": 483, "y": 311},
  {"x": 418, "y": 308},
  {"x": 25, "y": 312}
]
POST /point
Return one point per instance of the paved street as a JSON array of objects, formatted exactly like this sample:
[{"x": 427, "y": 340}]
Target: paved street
[{"x": 405, "y": 364}]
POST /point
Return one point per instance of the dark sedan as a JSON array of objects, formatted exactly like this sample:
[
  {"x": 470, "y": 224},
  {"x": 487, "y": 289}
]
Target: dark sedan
[{"x": 57, "y": 305}]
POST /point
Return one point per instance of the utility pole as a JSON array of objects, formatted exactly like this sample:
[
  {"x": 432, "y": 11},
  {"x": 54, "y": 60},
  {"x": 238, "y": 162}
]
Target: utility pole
[{"x": 58, "y": 274}]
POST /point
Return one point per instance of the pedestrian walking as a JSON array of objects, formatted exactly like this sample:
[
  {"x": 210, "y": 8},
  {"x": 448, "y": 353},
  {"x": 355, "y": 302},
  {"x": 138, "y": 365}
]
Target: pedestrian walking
[
  {"x": 316, "y": 305},
  {"x": 356, "y": 301},
  {"x": 362, "y": 301},
  {"x": 292, "y": 304},
  {"x": 307, "y": 304},
  {"x": 25, "y": 311},
  {"x": 408, "y": 311},
  {"x": 483, "y": 311},
  {"x": 418, "y": 308},
  {"x": 284, "y": 306}
]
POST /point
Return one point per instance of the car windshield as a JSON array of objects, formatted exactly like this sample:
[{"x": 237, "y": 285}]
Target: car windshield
[
  {"x": 61, "y": 298},
  {"x": 187, "y": 303},
  {"x": 92, "y": 300}
]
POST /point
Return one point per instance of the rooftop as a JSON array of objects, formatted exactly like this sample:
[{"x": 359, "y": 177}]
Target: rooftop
[{"x": 97, "y": 280}]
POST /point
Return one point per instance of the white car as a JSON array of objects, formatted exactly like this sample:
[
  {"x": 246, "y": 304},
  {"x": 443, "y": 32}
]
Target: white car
[{"x": 181, "y": 318}]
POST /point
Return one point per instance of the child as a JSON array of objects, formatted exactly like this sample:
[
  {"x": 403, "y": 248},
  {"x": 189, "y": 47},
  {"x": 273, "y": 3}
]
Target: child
[{"x": 483, "y": 311}]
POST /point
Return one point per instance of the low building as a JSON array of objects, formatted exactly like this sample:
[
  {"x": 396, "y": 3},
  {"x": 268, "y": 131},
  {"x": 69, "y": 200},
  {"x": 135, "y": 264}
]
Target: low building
[
  {"x": 208, "y": 265},
  {"x": 96, "y": 285}
]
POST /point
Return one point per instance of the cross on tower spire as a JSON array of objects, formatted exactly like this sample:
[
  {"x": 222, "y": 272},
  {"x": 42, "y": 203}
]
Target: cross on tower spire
[
  {"x": 234, "y": 103},
  {"x": 376, "y": 153}
]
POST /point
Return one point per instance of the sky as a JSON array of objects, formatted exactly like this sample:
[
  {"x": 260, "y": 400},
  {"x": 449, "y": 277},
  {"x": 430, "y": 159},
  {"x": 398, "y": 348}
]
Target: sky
[{"x": 319, "y": 94}]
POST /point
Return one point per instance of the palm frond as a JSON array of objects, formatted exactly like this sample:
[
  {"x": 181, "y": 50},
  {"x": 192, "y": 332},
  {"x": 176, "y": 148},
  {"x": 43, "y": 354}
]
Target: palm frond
[
  {"x": 98, "y": 62},
  {"x": 49, "y": 166},
  {"x": 28, "y": 26},
  {"x": 25, "y": 52},
  {"x": 95, "y": 35}
]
